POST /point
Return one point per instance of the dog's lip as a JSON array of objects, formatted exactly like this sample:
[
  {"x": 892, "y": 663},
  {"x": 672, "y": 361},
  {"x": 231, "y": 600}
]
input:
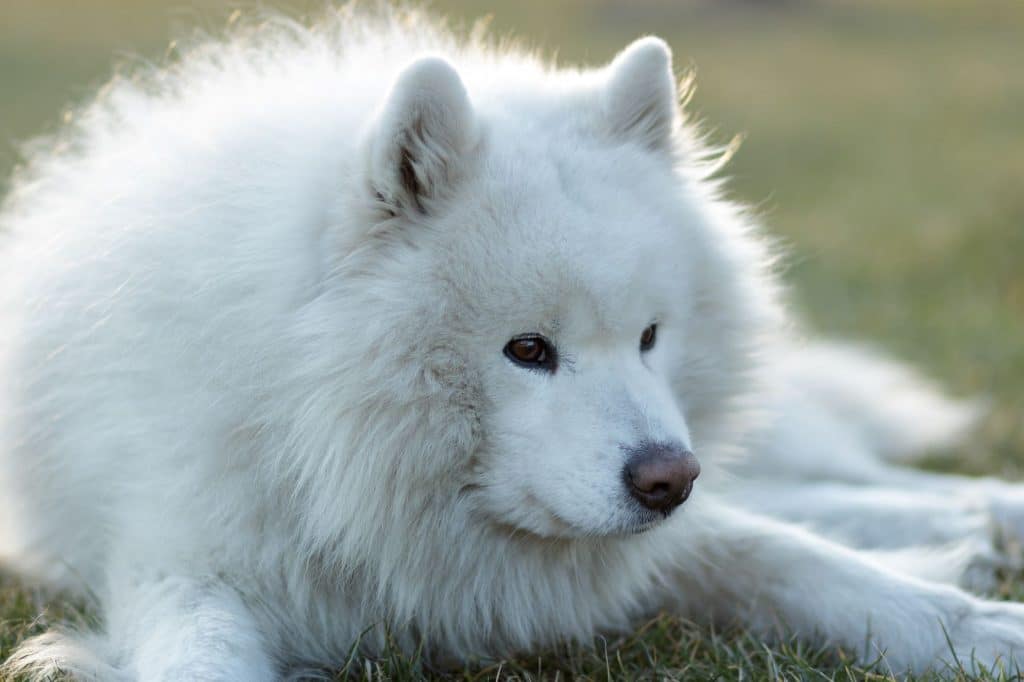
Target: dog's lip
[
  {"x": 647, "y": 524},
  {"x": 652, "y": 519}
]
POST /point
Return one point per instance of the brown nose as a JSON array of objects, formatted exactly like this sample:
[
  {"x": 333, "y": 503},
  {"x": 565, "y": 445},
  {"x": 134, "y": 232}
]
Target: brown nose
[{"x": 660, "y": 476}]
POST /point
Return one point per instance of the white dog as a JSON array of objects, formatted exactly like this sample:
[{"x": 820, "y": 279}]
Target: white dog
[{"x": 326, "y": 331}]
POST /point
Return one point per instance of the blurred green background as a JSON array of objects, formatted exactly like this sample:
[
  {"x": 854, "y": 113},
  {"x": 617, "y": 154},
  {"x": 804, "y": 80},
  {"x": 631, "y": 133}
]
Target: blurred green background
[{"x": 884, "y": 146}]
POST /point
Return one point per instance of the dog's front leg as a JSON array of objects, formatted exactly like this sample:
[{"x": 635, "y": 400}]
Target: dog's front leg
[
  {"x": 778, "y": 578},
  {"x": 175, "y": 629}
]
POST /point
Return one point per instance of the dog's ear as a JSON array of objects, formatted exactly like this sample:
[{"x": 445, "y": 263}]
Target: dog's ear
[
  {"x": 640, "y": 98},
  {"x": 421, "y": 136}
]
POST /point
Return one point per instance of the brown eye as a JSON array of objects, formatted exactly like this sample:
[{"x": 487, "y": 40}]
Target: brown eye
[
  {"x": 531, "y": 351},
  {"x": 648, "y": 338}
]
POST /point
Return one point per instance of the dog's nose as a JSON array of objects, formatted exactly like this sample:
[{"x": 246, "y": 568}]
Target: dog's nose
[{"x": 660, "y": 476}]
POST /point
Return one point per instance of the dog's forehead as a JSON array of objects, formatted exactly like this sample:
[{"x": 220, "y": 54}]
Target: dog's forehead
[
  {"x": 572, "y": 233},
  {"x": 578, "y": 201}
]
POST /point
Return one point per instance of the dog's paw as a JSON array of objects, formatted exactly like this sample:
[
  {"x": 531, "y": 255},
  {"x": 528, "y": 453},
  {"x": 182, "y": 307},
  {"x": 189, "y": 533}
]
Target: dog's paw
[
  {"x": 989, "y": 639},
  {"x": 956, "y": 635},
  {"x": 57, "y": 654},
  {"x": 974, "y": 564},
  {"x": 1005, "y": 503},
  {"x": 982, "y": 565},
  {"x": 981, "y": 568}
]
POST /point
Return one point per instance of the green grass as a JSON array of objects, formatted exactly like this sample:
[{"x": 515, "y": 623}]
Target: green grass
[{"x": 884, "y": 145}]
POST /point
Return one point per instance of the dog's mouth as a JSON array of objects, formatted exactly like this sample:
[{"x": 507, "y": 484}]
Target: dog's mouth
[
  {"x": 622, "y": 518},
  {"x": 642, "y": 528},
  {"x": 651, "y": 521},
  {"x": 648, "y": 519},
  {"x": 639, "y": 520}
]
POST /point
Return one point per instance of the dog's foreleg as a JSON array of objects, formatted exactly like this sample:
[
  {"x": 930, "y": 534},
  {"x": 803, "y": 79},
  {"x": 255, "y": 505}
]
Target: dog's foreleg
[
  {"x": 180, "y": 629},
  {"x": 778, "y": 578}
]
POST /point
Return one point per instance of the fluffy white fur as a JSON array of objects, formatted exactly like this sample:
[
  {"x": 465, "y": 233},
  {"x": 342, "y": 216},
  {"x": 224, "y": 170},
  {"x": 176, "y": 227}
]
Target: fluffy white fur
[{"x": 254, "y": 399}]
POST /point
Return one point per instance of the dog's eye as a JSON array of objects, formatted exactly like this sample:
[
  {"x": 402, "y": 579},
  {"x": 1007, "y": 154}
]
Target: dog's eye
[
  {"x": 531, "y": 350},
  {"x": 648, "y": 338}
]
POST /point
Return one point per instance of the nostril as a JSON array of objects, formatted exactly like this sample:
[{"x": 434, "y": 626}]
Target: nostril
[
  {"x": 656, "y": 489},
  {"x": 660, "y": 476}
]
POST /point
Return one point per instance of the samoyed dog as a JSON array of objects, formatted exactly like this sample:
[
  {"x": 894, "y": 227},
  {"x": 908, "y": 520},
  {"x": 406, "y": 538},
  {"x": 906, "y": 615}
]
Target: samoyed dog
[{"x": 322, "y": 333}]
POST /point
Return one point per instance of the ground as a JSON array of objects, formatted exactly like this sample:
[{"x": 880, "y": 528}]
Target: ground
[{"x": 884, "y": 146}]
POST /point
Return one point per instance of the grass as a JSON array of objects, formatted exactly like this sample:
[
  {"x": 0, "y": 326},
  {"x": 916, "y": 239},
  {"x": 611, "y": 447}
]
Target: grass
[{"x": 884, "y": 144}]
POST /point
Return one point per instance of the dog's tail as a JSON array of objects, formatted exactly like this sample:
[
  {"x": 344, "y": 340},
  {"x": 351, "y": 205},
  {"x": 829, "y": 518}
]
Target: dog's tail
[{"x": 840, "y": 412}]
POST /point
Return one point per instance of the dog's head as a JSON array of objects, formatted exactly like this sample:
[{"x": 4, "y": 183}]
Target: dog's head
[{"x": 578, "y": 289}]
